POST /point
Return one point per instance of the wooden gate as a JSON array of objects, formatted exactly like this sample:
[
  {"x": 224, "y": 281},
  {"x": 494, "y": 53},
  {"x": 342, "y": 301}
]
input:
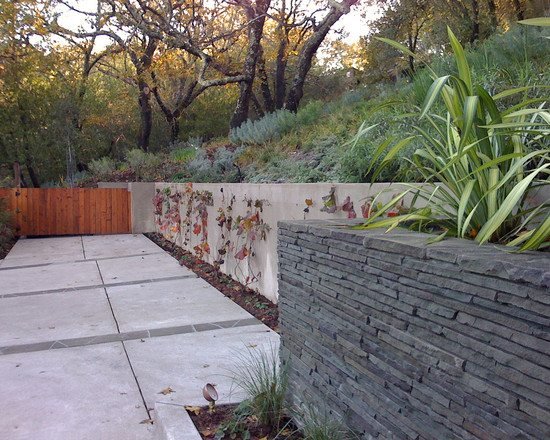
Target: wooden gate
[{"x": 69, "y": 211}]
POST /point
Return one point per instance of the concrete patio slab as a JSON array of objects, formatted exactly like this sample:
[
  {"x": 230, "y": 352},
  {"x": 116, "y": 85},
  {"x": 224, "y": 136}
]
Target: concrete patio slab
[
  {"x": 55, "y": 316},
  {"x": 53, "y": 277},
  {"x": 64, "y": 370},
  {"x": 172, "y": 422},
  {"x": 109, "y": 246},
  {"x": 186, "y": 362},
  {"x": 29, "y": 251},
  {"x": 171, "y": 303},
  {"x": 84, "y": 393},
  {"x": 141, "y": 268}
]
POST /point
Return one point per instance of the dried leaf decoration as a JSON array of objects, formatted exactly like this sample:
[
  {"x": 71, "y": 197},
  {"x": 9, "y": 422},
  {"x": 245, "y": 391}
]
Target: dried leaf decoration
[
  {"x": 158, "y": 202},
  {"x": 348, "y": 207},
  {"x": 242, "y": 254},
  {"x": 366, "y": 209},
  {"x": 329, "y": 202}
]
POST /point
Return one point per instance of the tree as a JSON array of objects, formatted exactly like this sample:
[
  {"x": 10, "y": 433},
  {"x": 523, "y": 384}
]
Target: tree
[
  {"x": 297, "y": 32},
  {"x": 108, "y": 21},
  {"x": 189, "y": 27},
  {"x": 256, "y": 15},
  {"x": 309, "y": 49},
  {"x": 22, "y": 82}
]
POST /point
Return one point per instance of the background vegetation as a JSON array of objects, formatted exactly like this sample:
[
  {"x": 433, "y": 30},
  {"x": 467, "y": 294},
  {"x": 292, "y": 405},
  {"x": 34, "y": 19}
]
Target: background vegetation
[{"x": 72, "y": 101}]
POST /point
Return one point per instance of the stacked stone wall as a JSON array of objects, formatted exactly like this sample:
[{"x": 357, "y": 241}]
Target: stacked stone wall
[{"x": 408, "y": 340}]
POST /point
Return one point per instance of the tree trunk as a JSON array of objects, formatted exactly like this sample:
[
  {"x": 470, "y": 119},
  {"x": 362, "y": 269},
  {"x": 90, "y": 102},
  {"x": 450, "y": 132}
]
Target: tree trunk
[
  {"x": 256, "y": 16},
  {"x": 491, "y": 5},
  {"x": 269, "y": 104},
  {"x": 174, "y": 129},
  {"x": 143, "y": 65},
  {"x": 305, "y": 58},
  {"x": 146, "y": 115},
  {"x": 257, "y": 106},
  {"x": 32, "y": 174},
  {"x": 412, "y": 49},
  {"x": 474, "y": 36},
  {"x": 280, "y": 71},
  {"x": 518, "y": 7}
]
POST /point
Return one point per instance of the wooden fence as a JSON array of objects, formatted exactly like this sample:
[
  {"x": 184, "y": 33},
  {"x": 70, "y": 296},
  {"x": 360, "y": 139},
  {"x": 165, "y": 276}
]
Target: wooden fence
[{"x": 69, "y": 211}]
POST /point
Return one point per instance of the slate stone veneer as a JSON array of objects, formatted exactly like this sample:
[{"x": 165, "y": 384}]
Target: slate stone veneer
[{"x": 408, "y": 340}]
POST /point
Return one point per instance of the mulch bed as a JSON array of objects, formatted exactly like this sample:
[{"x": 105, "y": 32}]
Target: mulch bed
[
  {"x": 6, "y": 243},
  {"x": 208, "y": 423},
  {"x": 254, "y": 303},
  {"x": 6, "y": 247}
]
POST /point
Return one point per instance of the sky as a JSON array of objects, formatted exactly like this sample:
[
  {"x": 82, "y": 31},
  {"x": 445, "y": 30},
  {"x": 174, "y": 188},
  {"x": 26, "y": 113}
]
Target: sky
[
  {"x": 355, "y": 25},
  {"x": 352, "y": 23}
]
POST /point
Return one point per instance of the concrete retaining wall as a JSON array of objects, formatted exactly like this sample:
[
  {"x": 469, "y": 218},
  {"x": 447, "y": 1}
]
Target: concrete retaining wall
[
  {"x": 404, "y": 340},
  {"x": 142, "y": 194},
  {"x": 279, "y": 202}
]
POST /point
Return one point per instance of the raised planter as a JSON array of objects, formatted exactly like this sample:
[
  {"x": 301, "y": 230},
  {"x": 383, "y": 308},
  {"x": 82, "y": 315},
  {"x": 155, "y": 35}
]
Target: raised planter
[{"x": 409, "y": 340}]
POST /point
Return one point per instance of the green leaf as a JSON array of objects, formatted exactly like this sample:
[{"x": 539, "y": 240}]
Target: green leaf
[
  {"x": 506, "y": 208},
  {"x": 461, "y": 62},
  {"x": 539, "y": 21},
  {"x": 464, "y": 201},
  {"x": 391, "y": 154},
  {"x": 469, "y": 115},
  {"x": 510, "y": 92},
  {"x": 403, "y": 49},
  {"x": 437, "y": 238},
  {"x": 539, "y": 236},
  {"x": 400, "y": 47},
  {"x": 433, "y": 93}
]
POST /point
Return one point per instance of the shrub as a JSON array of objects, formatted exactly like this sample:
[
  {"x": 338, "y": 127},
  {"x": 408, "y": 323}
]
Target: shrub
[
  {"x": 479, "y": 163},
  {"x": 144, "y": 164},
  {"x": 7, "y": 231},
  {"x": 220, "y": 166},
  {"x": 102, "y": 168},
  {"x": 269, "y": 128},
  {"x": 183, "y": 155}
]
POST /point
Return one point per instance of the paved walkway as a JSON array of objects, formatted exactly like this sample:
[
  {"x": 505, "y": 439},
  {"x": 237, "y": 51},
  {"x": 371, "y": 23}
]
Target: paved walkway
[{"x": 93, "y": 328}]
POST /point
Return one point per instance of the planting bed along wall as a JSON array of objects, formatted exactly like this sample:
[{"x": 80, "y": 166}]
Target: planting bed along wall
[{"x": 408, "y": 340}]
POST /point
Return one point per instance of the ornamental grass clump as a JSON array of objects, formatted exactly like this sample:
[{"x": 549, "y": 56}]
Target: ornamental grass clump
[
  {"x": 319, "y": 424},
  {"x": 264, "y": 381},
  {"x": 480, "y": 162}
]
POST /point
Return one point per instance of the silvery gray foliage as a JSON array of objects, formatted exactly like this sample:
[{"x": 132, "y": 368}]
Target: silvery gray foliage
[
  {"x": 220, "y": 167},
  {"x": 269, "y": 128}
]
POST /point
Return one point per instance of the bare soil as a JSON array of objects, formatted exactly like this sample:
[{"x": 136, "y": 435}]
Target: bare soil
[{"x": 209, "y": 423}]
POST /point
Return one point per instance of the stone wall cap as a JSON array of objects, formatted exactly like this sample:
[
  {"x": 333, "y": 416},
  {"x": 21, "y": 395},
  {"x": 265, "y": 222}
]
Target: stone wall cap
[{"x": 487, "y": 259}]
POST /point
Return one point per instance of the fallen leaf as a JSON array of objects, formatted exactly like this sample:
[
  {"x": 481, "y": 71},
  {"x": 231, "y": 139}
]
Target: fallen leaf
[
  {"x": 166, "y": 391},
  {"x": 146, "y": 422},
  {"x": 194, "y": 409}
]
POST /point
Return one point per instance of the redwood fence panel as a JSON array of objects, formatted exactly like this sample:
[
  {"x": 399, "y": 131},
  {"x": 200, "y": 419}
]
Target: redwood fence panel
[{"x": 69, "y": 211}]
